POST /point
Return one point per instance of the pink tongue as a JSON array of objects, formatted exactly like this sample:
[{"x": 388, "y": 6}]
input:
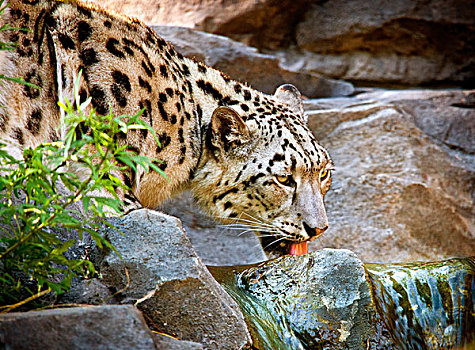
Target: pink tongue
[{"x": 299, "y": 248}]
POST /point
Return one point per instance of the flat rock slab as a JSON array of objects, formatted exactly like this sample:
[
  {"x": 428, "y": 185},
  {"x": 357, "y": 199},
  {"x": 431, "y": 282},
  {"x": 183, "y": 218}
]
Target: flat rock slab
[
  {"x": 163, "y": 276},
  {"x": 96, "y": 327}
]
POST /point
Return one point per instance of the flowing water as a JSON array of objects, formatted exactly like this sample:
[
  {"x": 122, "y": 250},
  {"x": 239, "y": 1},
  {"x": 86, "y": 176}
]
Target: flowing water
[
  {"x": 426, "y": 305},
  {"x": 409, "y": 306}
]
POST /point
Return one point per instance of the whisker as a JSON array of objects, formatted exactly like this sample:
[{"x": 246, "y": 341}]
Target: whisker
[
  {"x": 258, "y": 230},
  {"x": 245, "y": 231},
  {"x": 276, "y": 241},
  {"x": 245, "y": 227},
  {"x": 260, "y": 227},
  {"x": 244, "y": 221},
  {"x": 271, "y": 234},
  {"x": 257, "y": 219},
  {"x": 253, "y": 221}
]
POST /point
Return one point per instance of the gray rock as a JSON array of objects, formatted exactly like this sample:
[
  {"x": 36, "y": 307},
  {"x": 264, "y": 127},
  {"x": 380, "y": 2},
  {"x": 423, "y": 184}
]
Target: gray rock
[
  {"x": 262, "y": 71},
  {"x": 92, "y": 292},
  {"x": 214, "y": 244},
  {"x": 165, "y": 342},
  {"x": 383, "y": 41},
  {"x": 162, "y": 275},
  {"x": 403, "y": 187},
  {"x": 95, "y": 327}
]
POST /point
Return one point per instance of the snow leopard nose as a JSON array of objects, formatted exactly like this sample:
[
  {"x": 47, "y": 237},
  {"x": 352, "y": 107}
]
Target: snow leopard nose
[{"x": 313, "y": 232}]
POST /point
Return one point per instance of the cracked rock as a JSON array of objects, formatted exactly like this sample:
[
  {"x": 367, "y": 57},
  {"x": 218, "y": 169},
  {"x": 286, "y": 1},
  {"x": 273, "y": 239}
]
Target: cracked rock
[{"x": 162, "y": 275}]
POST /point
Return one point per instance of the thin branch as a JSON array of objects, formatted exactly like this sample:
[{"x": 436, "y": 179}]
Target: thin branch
[{"x": 8, "y": 308}]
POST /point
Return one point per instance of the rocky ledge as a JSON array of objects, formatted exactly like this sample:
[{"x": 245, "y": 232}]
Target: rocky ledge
[
  {"x": 403, "y": 187},
  {"x": 160, "y": 296}
]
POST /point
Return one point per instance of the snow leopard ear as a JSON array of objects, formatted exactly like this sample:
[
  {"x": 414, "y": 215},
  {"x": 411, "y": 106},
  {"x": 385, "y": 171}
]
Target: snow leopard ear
[
  {"x": 227, "y": 130},
  {"x": 291, "y": 96}
]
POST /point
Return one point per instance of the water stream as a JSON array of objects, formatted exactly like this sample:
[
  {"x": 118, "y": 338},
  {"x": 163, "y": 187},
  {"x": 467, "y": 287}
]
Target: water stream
[{"x": 426, "y": 305}]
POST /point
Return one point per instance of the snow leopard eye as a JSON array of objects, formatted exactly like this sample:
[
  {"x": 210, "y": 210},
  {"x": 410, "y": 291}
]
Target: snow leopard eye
[
  {"x": 285, "y": 180},
  {"x": 324, "y": 174}
]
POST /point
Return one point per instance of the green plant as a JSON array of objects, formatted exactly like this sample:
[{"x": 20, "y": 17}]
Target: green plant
[{"x": 32, "y": 204}]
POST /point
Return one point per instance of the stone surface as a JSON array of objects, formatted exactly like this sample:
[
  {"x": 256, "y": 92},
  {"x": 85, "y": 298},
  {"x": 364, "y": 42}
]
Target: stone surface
[
  {"x": 447, "y": 116},
  {"x": 404, "y": 183},
  {"x": 164, "y": 342},
  {"x": 262, "y": 71},
  {"x": 389, "y": 42},
  {"x": 92, "y": 292},
  {"x": 408, "y": 42},
  {"x": 214, "y": 244},
  {"x": 321, "y": 300},
  {"x": 99, "y": 327},
  {"x": 162, "y": 275}
]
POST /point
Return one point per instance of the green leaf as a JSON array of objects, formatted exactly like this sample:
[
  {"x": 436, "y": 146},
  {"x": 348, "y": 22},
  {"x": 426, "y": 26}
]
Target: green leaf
[{"x": 85, "y": 203}]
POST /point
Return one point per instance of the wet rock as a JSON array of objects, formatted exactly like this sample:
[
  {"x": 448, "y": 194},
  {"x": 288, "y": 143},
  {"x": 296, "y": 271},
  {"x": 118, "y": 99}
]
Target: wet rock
[
  {"x": 262, "y": 71},
  {"x": 403, "y": 187},
  {"x": 426, "y": 305},
  {"x": 99, "y": 327},
  {"x": 214, "y": 244},
  {"x": 162, "y": 275},
  {"x": 316, "y": 301},
  {"x": 330, "y": 300}
]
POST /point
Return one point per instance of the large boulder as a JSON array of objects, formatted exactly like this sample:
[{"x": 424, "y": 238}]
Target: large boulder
[
  {"x": 404, "y": 183},
  {"x": 161, "y": 274}
]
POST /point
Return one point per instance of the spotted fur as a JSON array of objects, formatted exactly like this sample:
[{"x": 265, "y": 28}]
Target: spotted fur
[{"x": 231, "y": 145}]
